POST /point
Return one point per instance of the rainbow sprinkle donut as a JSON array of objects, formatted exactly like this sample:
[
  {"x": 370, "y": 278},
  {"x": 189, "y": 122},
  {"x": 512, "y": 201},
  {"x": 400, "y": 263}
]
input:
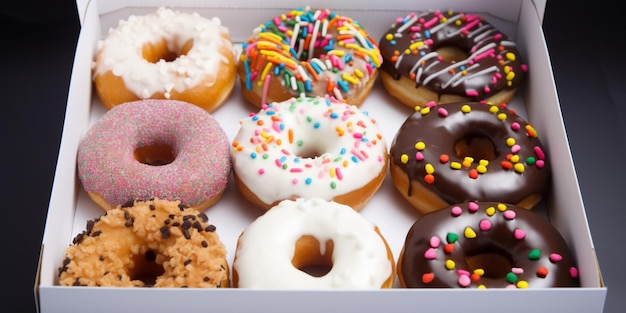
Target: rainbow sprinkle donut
[
  {"x": 309, "y": 147},
  {"x": 308, "y": 52}
]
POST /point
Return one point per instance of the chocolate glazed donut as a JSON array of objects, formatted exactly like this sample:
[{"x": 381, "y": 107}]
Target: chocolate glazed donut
[
  {"x": 485, "y": 245},
  {"x": 449, "y": 57},
  {"x": 468, "y": 151}
]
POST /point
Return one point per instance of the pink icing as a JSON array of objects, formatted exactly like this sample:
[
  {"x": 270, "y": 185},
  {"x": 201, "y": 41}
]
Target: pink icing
[{"x": 199, "y": 171}]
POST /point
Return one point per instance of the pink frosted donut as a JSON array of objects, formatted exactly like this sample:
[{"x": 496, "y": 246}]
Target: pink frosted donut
[{"x": 144, "y": 149}]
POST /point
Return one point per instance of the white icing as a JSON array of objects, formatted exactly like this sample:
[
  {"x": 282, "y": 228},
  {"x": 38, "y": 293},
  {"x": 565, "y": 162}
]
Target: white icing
[
  {"x": 274, "y": 168},
  {"x": 266, "y": 248},
  {"x": 121, "y": 51}
]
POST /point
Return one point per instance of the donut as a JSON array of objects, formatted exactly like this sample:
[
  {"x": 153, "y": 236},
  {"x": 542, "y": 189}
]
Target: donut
[
  {"x": 151, "y": 148},
  {"x": 153, "y": 243},
  {"x": 310, "y": 148},
  {"x": 485, "y": 245},
  {"x": 308, "y": 52},
  {"x": 468, "y": 151},
  {"x": 166, "y": 54},
  {"x": 312, "y": 244},
  {"x": 449, "y": 57}
]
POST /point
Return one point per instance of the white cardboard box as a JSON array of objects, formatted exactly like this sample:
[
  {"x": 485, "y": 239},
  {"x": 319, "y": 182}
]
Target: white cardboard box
[{"x": 69, "y": 206}]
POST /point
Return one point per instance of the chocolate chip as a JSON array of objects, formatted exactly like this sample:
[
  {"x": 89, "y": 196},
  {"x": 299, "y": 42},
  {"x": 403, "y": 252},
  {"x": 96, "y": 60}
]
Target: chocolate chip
[
  {"x": 186, "y": 225},
  {"x": 90, "y": 225},
  {"x": 79, "y": 238},
  {"x": 197, "y": 225},
  {"x": 211, "y": 228},
  {"x": 204, "y": 243},
  {"x": 165, "y": 232},
  {"x": 63, "y": 268}
]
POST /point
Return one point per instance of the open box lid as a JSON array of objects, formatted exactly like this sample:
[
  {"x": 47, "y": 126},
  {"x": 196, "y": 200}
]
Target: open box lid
[{"x": 106, "y": 6}]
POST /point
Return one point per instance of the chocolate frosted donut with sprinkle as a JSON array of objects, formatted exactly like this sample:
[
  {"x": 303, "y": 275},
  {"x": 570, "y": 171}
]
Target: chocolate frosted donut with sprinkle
[
  {"x": 449, "y": 57},
  {"x": 485, "y": 245},
  {"x": 308, "y": 52},
  {"x": 468, "y": 151}
]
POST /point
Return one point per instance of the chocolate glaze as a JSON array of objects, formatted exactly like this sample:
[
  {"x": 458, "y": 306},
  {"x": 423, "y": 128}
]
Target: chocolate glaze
[
  {"x": 441, "y": 127},
  {"x": 493, "y": 64},
  {"x": 539, "y": 258}
]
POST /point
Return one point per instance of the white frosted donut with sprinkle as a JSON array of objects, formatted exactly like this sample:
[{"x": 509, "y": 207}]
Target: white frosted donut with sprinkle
[
  {"x": 277, "y": 249},
  {"x": 148, "y": 149},
  {"x": 166, "y": 55},
  {"x": 310, "y": 148}
]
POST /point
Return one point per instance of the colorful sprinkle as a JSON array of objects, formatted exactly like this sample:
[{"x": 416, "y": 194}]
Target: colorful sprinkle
[
  {"x": 469, "y": 233},
  {"x": 555, "y": 258},
  {"x": 456, "y": 210},
  {"x": 452, "y": 237},
  {"x": 519, "y": 234},
  {"x": 430, "y": 254},
  {"x": 534, "y": 254},
  {"x": 427, "y": 278}
]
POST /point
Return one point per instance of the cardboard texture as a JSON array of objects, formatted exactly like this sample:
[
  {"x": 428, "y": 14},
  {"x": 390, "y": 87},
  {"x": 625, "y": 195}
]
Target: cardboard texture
[{"x": 70, "y": 207}]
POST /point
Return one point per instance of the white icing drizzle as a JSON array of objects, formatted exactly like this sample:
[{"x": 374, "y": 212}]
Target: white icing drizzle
[
  {"x": 459, "y": 63},
  {"x": 121, "y": 51},
  {"x": 267, "y": 246}
]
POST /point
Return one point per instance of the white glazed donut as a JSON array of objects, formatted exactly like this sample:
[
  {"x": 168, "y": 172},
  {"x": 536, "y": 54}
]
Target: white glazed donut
[
  {"x": 166, "y": 55},
  {"x": 274, "y": 250},
  {"x": 310, "y": 148}
]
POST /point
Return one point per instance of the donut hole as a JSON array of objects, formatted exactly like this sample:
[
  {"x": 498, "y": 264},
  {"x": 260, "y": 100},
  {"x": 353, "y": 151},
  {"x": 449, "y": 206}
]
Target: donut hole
[
  {"x": 303, "y": 54},
  {"x": 309, "y": 152},
  {"x": 452, "y": 53},
  {"x": 309, "y": 258},
  {"x": 155, "y": 155},
  {"x": 495, "y": 263},
  {"x": 477, "y": 146},
  {"x": 154, "y": 52},
  {"x": 146, "y": 269}
]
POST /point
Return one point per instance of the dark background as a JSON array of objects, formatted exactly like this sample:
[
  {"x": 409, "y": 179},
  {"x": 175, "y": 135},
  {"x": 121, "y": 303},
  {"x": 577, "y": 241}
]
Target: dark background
[{"x": 38, "y": 42}]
